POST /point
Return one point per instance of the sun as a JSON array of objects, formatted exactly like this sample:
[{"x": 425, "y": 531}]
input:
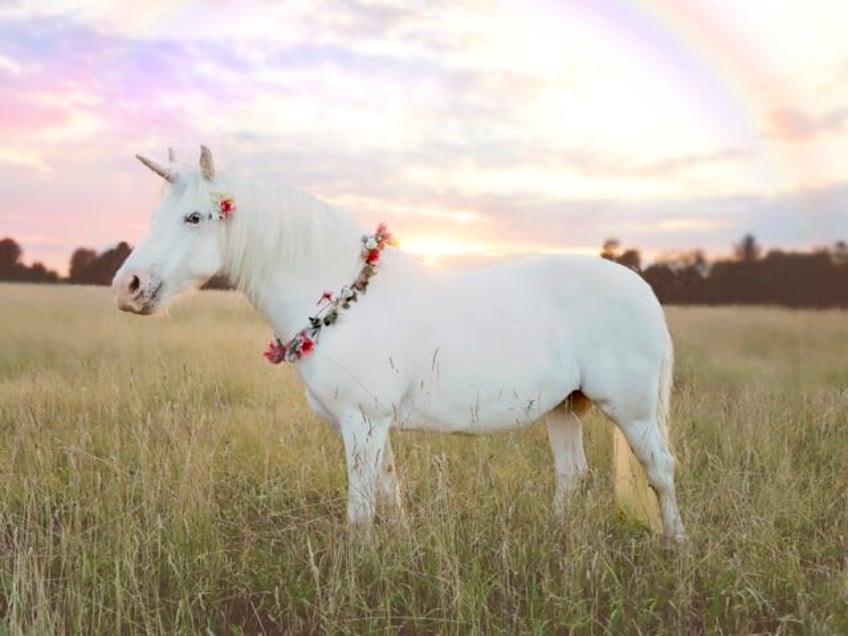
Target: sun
[
  {"x": 453, "y": 252},
  {"x": 432, "y": 250}
]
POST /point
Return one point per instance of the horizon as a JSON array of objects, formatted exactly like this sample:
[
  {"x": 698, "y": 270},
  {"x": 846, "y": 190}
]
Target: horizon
[
  {"x": 470, "y": 259},
  {"x": 476, "y": 130}
]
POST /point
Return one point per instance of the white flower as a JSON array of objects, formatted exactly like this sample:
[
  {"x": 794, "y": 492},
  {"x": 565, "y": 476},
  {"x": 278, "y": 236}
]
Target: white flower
[{"x": 371, "y": 243}]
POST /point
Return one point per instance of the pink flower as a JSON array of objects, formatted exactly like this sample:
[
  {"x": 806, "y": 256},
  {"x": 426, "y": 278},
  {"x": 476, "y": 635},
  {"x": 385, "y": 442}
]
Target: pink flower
[
  {"x": 385, "y": 235},
  {"x": 275, "y": 353},
  {"x": 325, "y": 297}
]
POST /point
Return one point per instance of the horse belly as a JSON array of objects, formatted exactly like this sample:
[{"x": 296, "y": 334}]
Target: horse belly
[
  {"x": 475, "y": 371},
  {"x": 474, "y": 419},
  {"x": 473, "y": 404}
]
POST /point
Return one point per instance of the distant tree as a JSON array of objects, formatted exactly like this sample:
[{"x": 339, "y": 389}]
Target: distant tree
[
  {"x": 610, "y": 248},
  {"x": 840, "y": 253},
  {"x": 10, "y": 253},
  {"x": 12, "y": 269},
  {"x": 663, "y": 280},
  {"x": 110, "y": 261},
  {"x": 747, "y": 250},
  {"x": 38, "y": 273},
  {"x": 90, "y": 268},
  {"x": 692, "y": 259},
  {"x": 629, "y": 258},
  {"x": 680, "y": 277},
  {"x": 81, "y": 260}
]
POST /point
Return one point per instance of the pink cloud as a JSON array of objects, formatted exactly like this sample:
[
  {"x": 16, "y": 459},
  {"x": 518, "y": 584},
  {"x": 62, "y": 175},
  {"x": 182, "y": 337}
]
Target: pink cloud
[
  {"x": 23, "y": 114},
  {"x": 793, "y": 124}
]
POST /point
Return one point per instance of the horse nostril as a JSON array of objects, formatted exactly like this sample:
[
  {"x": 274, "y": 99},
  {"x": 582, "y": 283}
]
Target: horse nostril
[{"x": 135, "y": 283}]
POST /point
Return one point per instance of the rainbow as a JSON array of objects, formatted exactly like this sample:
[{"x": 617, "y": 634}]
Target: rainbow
[
  {"x": 717, "y": 67},
  {"x": 703, "y": 56}
]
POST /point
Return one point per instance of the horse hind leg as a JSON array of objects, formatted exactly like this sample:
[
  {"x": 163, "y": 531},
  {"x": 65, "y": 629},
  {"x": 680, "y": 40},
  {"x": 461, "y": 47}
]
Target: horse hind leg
[
  {"x": 648, "y": 444},
  {"x": 565, "y": 434}
]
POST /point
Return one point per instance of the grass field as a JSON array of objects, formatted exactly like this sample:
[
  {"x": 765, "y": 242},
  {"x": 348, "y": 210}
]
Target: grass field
[{"x": 158, "y": 477}]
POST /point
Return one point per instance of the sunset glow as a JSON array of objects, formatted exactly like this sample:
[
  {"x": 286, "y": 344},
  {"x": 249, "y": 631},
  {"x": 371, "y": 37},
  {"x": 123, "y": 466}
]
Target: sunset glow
[
  {"x": 435, "y": 251},
  {"x": 477, "y": 130}
]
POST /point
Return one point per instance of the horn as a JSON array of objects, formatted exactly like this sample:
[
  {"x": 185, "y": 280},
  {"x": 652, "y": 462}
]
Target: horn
[
  {"x": 166, "y": 174},
  {"x": 207, "y": 167},
  {"x": 172, "y": 156}
]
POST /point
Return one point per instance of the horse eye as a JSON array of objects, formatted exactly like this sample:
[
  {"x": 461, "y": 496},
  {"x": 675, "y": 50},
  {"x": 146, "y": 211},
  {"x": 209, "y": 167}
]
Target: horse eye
[{"x": 192, "y": 218}]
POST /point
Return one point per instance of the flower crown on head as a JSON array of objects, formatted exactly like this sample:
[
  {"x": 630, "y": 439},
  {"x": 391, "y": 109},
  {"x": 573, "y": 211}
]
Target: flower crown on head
[{"x": 224, "y": 203}]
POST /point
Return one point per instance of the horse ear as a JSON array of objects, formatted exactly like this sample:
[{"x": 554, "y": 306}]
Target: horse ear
[
  {"x": 166, "y": 174},
  {"x": 207, "y": 167}
]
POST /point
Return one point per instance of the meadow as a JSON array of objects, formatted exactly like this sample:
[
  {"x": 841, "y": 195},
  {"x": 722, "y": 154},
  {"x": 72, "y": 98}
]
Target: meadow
[{"x": 157, "y": 476}]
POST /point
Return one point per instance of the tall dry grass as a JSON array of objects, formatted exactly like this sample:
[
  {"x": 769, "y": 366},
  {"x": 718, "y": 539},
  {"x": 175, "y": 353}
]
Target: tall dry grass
[{"x": 157, "y": 477}]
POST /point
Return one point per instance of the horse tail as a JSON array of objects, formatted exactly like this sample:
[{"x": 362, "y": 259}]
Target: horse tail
[
  {"x": 632, "y": 493},
  {"x": 664, "y": 397}
]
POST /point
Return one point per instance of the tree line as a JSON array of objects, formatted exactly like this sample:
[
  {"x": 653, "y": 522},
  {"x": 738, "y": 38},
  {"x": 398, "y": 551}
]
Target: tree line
[
  {"x": 87, "y": 267},
  {"x": 816, "y": 279}
]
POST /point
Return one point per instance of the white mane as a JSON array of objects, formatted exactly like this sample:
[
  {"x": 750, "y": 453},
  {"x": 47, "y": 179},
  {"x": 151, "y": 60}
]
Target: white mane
[{"x": 277, "y": 227}]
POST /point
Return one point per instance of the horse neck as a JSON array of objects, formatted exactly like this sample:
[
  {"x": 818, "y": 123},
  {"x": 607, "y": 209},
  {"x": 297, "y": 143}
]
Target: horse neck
[{"x": 283, "y": 251}]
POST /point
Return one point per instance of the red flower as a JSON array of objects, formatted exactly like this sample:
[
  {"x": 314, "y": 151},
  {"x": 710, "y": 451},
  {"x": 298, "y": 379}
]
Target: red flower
[
  {"x": 372, "y": 257},
  {"x": 307, "y": 344},
  {"x": 226, "y": 206},
  {"x": 275, "y": 353}
]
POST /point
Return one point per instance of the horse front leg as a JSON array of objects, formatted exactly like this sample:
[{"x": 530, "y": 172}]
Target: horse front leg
[
  {"x": 389, "y": 504},
  {"x": 365, "y": 441}
]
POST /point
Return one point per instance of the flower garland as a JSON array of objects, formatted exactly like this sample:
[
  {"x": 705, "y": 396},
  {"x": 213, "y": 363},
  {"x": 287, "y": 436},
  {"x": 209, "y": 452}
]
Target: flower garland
[{"x": 332, "y": 305}]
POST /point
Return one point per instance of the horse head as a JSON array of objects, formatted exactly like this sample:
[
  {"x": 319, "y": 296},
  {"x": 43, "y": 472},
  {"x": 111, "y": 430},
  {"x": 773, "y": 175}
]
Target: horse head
[{"x": 182, "y": 248}]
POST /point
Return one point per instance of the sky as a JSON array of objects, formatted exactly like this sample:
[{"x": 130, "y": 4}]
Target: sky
[{"x": 476, "y": 129}]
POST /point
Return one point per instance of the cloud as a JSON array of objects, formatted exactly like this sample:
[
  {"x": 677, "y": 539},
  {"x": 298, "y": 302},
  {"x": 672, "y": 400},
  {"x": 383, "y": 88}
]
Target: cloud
[
  {"x": 368, "y": 19},
  {"x": 598, "y": 163},
  {"x": 793, "y": 124},
  {"x": 336, "y": 99},
  {"x": 793, "y": 220},
  {"x": 8, "y": 65},
  {"x": 447, "y": 117},
  {"x": 82, "y": 86},
  {"x": 669, "y": 166}
]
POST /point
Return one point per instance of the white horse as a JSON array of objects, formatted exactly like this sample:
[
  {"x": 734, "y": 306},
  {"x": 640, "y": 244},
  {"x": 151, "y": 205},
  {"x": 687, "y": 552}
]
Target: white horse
[{"x": 473, "y": 351}]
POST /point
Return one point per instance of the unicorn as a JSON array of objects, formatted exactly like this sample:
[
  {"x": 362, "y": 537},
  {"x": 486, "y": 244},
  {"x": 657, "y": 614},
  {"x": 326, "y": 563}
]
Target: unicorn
[{"x": 383, "y": 341}]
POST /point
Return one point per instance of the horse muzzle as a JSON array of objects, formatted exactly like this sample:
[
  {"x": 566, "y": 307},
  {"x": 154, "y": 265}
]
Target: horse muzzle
[{"x": 137, "y": 291}]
